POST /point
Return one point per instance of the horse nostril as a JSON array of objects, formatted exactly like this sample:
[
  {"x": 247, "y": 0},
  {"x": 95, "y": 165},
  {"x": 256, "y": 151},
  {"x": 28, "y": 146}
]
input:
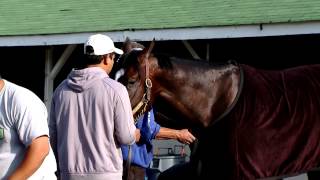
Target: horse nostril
[{"x": 131, "y": 82}]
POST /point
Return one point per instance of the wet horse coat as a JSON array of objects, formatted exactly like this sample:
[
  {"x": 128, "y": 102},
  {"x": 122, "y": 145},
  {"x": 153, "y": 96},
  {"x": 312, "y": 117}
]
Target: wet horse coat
[{"x": 271, "y": 128}]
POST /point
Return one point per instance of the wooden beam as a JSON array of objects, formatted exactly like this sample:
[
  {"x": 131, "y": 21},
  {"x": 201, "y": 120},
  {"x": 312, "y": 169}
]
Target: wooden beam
[
  {"x": 62, "y": 60},
  {"x": 51, "y": 72},
  {"x": 48, "y": 82},
  {"x": 208, "y": 52},
  {"x": 190, "y": 49}
]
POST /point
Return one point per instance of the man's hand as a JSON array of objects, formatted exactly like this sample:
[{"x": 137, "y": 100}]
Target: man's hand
[
  {"x": 185, "y": 137},
  {"x": 138, "y": 135}
]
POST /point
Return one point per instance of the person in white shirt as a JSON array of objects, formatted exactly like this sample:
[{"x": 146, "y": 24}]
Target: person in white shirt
[{"x": 25, "y": 151}]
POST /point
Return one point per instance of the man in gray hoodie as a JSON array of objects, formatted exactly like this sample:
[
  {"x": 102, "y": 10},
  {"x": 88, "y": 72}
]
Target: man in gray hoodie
[{"x": 91, "y": 117}]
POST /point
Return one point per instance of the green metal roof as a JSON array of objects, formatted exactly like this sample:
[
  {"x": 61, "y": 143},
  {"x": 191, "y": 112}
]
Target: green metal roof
[{"x": 34, "y": 17}]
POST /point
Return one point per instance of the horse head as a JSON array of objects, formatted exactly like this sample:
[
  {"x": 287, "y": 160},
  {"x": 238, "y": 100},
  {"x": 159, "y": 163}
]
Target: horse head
[{"x": 133, "y": 71}]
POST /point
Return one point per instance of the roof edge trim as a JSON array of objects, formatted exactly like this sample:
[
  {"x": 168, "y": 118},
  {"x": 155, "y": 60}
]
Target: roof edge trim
[{"x": 170, "y": 34}]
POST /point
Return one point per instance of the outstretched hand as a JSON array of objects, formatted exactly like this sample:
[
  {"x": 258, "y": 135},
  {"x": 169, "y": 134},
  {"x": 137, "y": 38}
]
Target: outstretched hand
[{"x": 184, "y": 136}]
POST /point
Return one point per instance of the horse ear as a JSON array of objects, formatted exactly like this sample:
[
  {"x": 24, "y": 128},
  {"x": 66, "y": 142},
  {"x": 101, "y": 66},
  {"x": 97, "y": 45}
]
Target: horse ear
[
  {"x": 126, "y": 47},
  {"x": 147, "y": 51},
  {"x": 150, "y": 47}
]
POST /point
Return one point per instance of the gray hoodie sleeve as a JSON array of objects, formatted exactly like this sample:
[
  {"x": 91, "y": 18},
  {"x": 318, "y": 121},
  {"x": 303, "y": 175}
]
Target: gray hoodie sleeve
[
  {"x": 124, "y": 124},
  {"x": 53, "y": 130}
]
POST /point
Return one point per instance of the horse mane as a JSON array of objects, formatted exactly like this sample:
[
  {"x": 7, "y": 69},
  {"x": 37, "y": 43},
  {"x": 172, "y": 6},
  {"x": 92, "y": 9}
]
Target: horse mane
[{"x": 165, "y": 62}]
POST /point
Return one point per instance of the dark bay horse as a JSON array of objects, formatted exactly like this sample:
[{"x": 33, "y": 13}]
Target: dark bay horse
[{"x": 250, "y": 123}]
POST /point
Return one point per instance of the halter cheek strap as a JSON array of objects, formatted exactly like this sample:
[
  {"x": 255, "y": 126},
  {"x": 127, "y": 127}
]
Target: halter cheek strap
[
  {"x": 148, "y": 82},
  {"x": 148, "y": 85}
]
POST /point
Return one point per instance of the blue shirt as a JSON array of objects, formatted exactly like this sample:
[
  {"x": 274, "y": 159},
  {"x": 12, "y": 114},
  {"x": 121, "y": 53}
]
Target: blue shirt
[{"x": 141, "y": 152}]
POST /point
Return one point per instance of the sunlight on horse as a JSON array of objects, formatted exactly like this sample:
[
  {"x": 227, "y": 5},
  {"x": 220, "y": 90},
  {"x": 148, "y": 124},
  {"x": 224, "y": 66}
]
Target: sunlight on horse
[{"x": 250, "y": 123}]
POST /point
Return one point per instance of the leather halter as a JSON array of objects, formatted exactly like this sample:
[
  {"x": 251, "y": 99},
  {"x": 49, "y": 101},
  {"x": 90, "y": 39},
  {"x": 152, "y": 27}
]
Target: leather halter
[{"x": 142, "y": 105}]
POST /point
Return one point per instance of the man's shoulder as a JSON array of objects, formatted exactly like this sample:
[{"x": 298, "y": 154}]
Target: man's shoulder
[
  {"x": 114, "y": 85},
  {"x": 60, "y": 87},
  {"x": 20, "y": 93}
]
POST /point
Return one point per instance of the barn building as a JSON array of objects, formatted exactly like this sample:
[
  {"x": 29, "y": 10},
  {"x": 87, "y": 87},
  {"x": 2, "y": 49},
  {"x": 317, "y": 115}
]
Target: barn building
[{"x": 40, "y": 41}]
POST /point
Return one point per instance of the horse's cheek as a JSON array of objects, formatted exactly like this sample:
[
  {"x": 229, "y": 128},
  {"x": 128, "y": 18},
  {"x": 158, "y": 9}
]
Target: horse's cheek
[{"x": 135, "y": 93}]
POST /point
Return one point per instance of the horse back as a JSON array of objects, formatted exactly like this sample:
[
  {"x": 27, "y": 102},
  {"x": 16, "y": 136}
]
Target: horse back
[
  {"x": 277, "y": 122},
  {"x": 273, "y": 130}
]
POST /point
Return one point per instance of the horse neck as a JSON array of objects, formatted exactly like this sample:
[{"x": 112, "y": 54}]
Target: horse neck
[{"x": 200, "y": 93}]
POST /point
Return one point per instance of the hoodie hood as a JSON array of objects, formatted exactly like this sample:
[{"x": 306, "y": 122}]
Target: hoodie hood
[{"x": 80, "y": 80}]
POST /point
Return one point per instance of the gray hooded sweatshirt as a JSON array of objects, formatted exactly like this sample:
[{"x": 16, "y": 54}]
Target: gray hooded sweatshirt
[{"x": 90, "y": 118}]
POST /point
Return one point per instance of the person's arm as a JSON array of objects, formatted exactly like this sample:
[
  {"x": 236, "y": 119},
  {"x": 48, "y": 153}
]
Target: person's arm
[
  {"x": 126, "y": 132},
  {"x": 33, "y": 158},
  {"x": 183, "y": 135},
  {"x": 53, "y": 134}
]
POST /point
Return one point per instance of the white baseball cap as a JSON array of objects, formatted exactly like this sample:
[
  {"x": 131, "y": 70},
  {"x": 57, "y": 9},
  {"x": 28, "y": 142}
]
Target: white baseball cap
[{"x": 101, "y": 45}]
